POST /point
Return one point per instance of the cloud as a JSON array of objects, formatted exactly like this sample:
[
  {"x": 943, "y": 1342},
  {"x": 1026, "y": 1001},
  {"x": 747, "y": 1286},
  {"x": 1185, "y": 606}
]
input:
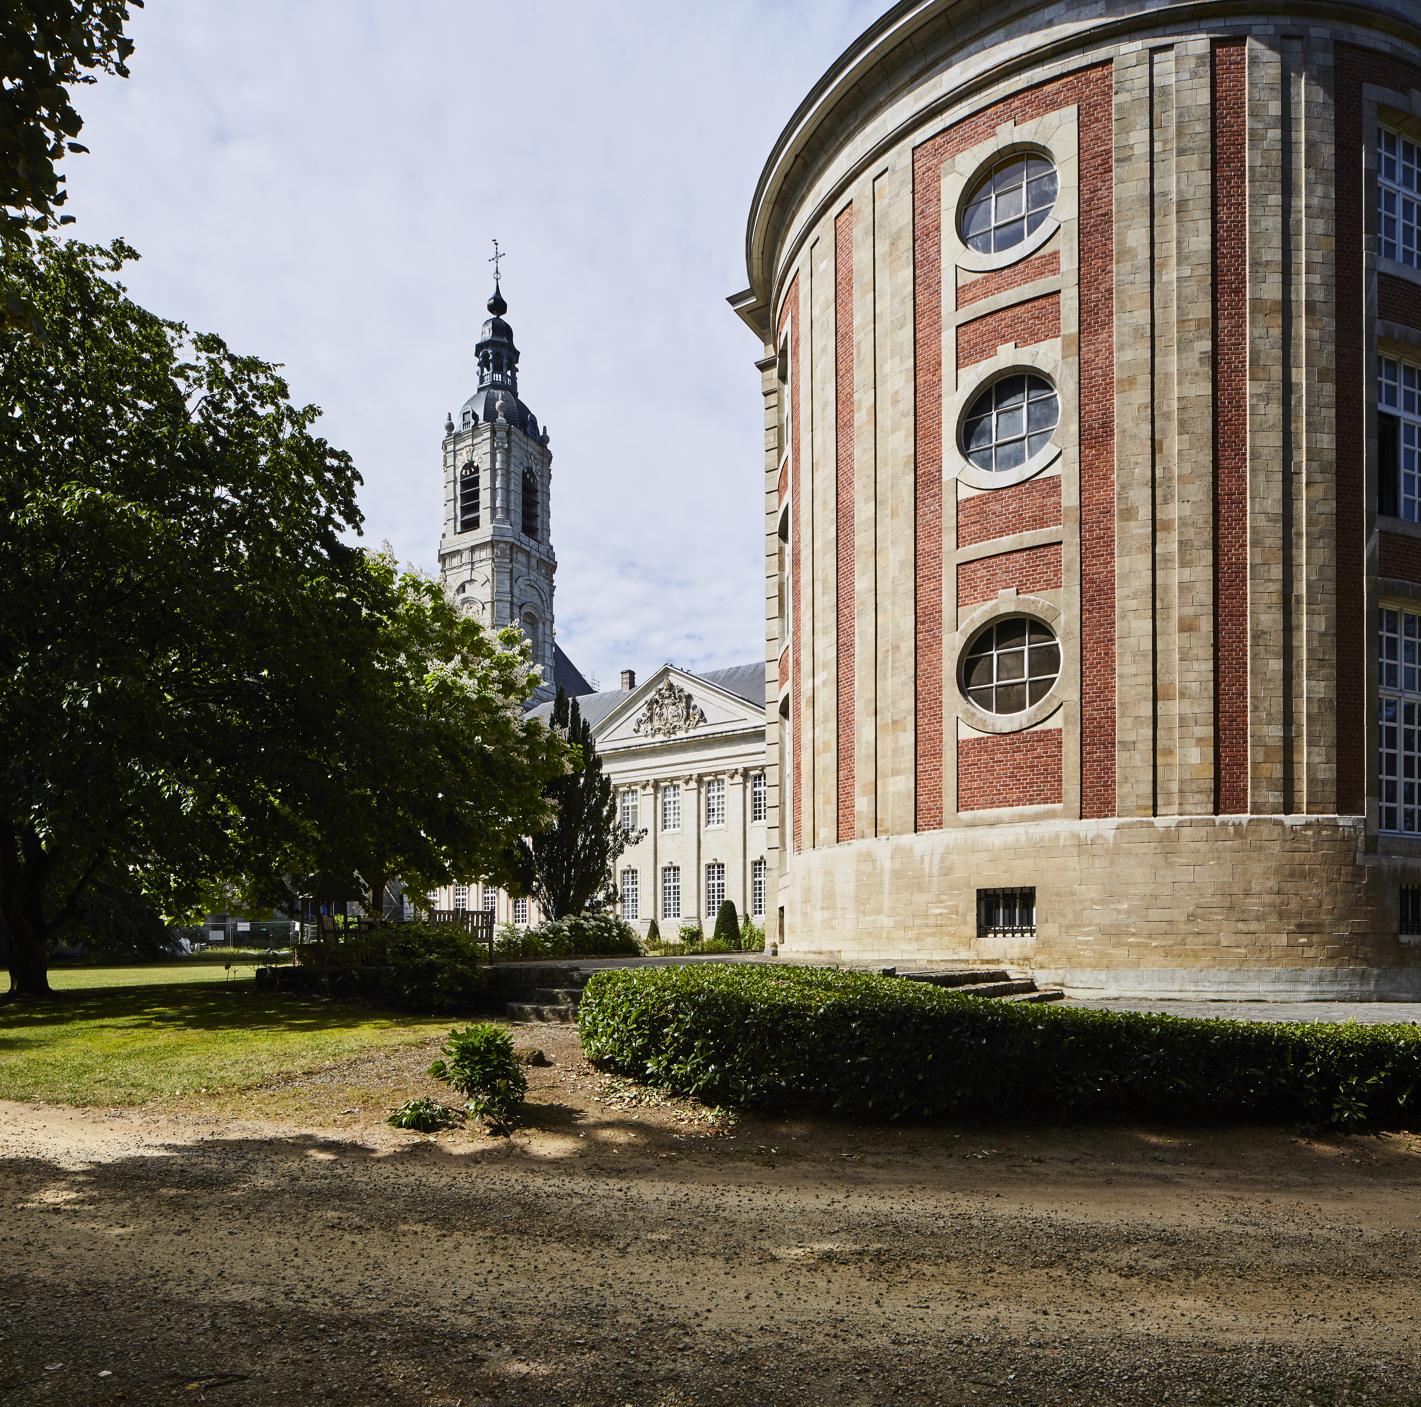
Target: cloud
[{"x": 319, "y": 183}]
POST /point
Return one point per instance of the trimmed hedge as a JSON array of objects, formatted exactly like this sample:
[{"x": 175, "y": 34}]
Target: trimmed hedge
[{"x": 815, "y": 1040}]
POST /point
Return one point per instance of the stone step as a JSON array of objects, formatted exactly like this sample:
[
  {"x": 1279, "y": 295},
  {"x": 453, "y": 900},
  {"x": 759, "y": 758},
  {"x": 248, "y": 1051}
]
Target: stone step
[
  {"x": 542, "y": 1011},
  {"x": 961, "y": 978},
  {"x": 1022, "y": 987},
  {"x": 1043, "y": 994},
  {"x": 556, "y": 996}
]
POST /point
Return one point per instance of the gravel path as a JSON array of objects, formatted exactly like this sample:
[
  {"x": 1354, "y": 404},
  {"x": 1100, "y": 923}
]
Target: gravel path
[{"x": 624, "y": 1252}]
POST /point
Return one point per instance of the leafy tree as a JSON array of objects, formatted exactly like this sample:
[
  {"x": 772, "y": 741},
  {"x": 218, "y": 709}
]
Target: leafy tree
[
  {"x": 200, "y": 679},
  {"x": 727, "y": 925},
  {"x": 46, "y": 48},
  {"x": 567, "y": 868}
]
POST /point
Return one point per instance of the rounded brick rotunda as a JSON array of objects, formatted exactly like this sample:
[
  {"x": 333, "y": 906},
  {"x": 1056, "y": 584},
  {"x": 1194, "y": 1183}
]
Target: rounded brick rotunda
[{"x": 1092, "y": 374}]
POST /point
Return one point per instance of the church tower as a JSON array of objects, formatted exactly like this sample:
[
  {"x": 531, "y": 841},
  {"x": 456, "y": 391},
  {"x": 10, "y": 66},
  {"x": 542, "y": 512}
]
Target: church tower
[{"x": 496, "y": 555}]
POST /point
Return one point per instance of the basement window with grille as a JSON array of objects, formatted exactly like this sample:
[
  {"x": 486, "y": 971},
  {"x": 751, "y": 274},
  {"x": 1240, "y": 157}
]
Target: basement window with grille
[
  {"x": 1411, "y": 910},
  {"x": 1006, "y": 913}
]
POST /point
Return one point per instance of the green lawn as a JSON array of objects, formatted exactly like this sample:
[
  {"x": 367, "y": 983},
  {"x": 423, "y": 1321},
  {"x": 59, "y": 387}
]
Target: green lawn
[
  {"x": 200, "y": 967},
  {"x": 178, "y": 1030}
]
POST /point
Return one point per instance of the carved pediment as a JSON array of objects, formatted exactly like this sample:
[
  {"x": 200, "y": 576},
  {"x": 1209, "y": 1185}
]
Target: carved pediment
[{"x": 668, "y": 712}]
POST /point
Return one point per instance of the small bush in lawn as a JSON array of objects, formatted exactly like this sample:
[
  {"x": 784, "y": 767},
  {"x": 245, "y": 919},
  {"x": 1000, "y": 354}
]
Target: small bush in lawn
[
  {"x": 752, "y": 936},
  {"x": 481, "y": 1065},
  {"x": 692, "y": 932},
  {"x": 653, "y": 932},
  {"x": 424, "y": 1116},
  {"x": 815, "y": 1040},
  {"x": 727, "y": 925}
]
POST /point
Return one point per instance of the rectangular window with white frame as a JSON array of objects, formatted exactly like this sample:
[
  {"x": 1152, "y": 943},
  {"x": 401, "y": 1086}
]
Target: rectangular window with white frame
[
  {"x": 758, "y": 870},
  {"x": 631, "y": 905},
  {"x": 670, "y": 891},
  {"x": 1398, "y": 198},
  {"x": 1398, "y": 439},
  {"x": 671, "y": 806},
  {"x": 461, "y": 897},
  {"x": 490, "y": 899},
  {"x": 520, "y": 912},
  {"x": 715, "y": 801},
  {"x": 629, "y": 809},
  {"x": 759, "y": 798},
  {"x": 1399, "y": 720},
  {"x": 715, "y": 887}
]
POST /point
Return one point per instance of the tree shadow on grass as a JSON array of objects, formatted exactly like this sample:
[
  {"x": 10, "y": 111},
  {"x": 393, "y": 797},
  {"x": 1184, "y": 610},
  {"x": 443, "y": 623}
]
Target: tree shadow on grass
[{"x": 199, "y": 1007}]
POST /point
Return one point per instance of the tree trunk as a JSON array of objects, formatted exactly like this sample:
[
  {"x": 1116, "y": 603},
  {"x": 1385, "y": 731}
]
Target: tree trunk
[
  {"x": 29, "y": 970},
  {"x": 23, "y": 933}
]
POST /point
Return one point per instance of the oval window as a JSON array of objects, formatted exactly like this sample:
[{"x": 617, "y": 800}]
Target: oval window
[
  {"x": 1009, "y": 203},
  {"x": 1012, "y": 420},
  {"x": 1011, "y": 665}
]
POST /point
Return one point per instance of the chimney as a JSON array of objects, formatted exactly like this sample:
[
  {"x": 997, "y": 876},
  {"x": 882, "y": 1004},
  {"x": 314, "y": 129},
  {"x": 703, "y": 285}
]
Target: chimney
[{"x": 628, "y": 680}]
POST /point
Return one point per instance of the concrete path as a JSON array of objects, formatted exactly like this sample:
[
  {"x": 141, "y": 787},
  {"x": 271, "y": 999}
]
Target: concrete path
[{"x": 1365, "y": 1013}]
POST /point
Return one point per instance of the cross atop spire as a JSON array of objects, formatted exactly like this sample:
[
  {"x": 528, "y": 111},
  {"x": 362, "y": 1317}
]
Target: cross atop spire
[{"x": 498, "y": 255}]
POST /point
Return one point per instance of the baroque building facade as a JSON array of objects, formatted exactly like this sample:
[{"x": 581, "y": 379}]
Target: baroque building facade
[
  {"x": 686, "y": 755},
  {"x": 685, "y": 752},
  {"x": 1091, "y": 359}
]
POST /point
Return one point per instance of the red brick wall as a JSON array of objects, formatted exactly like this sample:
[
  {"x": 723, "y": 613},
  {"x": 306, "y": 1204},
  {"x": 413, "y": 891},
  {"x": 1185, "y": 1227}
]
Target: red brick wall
[
  {"x": 1230, "y": 162},
  {"x": 789, "y": 314},
  {"x": 844, "y": 510},
  {"x": 1018, "y": 508},
  {"x": 1036, "y": 320},
  {"x": 1398, "y": 300},
  {"x": 1097, "y": 445},
  {"x": 1029, "y": 569},
  {"x": 1009, "y": 769},
  {"x": 1399, "y": 556},
  {"x": 1091, "y": 91},
  {"x": 1354, "y": 67},
  {"x": 1046, "y": 265}
]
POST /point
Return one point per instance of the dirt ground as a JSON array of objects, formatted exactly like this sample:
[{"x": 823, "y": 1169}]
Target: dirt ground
[{"x": 623, "y": 1251}]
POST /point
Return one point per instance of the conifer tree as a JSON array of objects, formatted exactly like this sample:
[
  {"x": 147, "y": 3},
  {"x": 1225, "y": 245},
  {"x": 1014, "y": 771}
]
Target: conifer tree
[
  {"x": 568, "y": 867},
  {"x": 727, "y": 924}
]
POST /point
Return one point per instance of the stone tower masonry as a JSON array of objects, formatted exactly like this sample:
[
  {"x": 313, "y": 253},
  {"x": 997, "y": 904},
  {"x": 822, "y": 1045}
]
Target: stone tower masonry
[{"x": 496, "y": 557}]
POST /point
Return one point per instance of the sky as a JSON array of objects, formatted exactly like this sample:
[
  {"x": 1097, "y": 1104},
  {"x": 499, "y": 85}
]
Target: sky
[{"x": 319, "y": 181}]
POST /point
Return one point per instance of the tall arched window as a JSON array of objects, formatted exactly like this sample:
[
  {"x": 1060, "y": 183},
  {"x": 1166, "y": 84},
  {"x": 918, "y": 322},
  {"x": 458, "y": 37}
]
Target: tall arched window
[
  {"x": 530, "y": 631},
  {"x": 530, "y": 503},
  {"x": 469, "y": 497}
]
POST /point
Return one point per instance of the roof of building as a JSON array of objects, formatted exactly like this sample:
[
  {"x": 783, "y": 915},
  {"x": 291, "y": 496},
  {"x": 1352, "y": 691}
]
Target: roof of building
[
  {"x": 567, "y": 676},
  {"x": 745, "y": 681},
  {"x": 497, "y": 358}
]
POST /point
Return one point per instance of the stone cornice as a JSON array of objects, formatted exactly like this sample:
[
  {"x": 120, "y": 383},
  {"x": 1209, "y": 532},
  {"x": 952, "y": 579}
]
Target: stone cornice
[{"x": 903, "y": 47}]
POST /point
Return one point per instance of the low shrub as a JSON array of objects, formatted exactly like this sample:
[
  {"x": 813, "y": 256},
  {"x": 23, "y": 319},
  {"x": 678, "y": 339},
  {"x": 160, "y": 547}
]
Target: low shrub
[
  {"x": 434, "y": 967},
  {"x": 653, "y": 932},
  {"x": 752, "y": 935},
  {"x": 424, "y": 1116},
  {"x": 727, "y": 924},
  {"x": 692, "y": 932},
  {"x": 815, "y": 1040},
  {"x": 581, "y": 936},
  {"x": 710, "y": 948},
  {"x": 482, "y": 1066}
]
